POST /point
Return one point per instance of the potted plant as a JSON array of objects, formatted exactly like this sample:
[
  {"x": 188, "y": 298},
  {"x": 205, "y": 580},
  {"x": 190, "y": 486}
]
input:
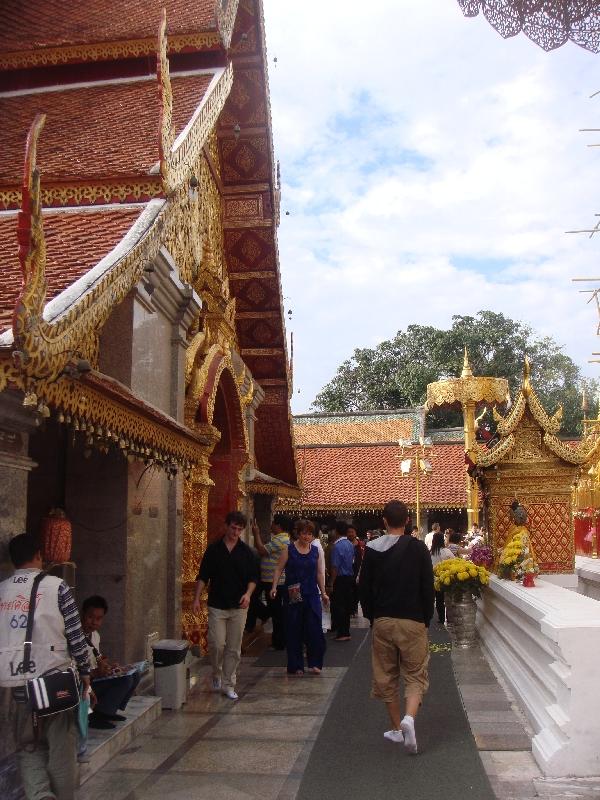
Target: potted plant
[
  {"x": 461, "y": 581},
  {"x": 517, "y": 560},
  {"x": 482, "y": 555}
]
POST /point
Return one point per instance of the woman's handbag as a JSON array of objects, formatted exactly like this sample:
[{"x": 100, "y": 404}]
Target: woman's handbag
[{"x": 55, "y": 690}]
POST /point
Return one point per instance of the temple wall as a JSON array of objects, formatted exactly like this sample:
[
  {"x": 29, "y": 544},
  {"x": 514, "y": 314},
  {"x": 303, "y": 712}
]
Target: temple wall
[
  {"x": 151, "y": 356},
  {"x": 147, "y": 559},
  {"x": 115, "y": 343},
  {"x": 97, "y": 506},
  {"x": 545, "y": 641},
  {"x": 13, "y": 510},
  {"x": 16, "y": 424}
]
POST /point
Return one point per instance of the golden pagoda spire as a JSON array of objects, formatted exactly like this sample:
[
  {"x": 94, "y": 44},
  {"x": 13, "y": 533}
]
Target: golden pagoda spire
[
  {"x": 467, "y": 372},
  {"x": 526, "y": 376}
]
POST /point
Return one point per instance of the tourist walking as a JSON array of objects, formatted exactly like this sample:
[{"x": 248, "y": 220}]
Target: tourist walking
[
  {"x": 46, "y": 757},
  {"x": 397, "y": 595},
  {"x": 439, "y": 553},
  {"x": 304, "y": 579},
  {"x": 342, "y": 582},
  {"x": 358, "y": 546},
  {"x": 435, "y": 528},
  {"x": 229, "y": 568},
  {"x": 281, "y": 528}
]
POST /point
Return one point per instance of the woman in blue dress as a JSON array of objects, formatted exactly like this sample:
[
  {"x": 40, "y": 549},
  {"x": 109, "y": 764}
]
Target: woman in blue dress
[{"x": 304, "y": 577}]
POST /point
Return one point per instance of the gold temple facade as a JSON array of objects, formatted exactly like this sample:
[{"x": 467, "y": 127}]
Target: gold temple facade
[{"x": 144, "y": 377}]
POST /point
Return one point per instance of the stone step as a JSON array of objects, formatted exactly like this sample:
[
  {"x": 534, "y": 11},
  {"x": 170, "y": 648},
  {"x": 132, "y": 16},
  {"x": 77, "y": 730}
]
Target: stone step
[{"x": 141, "y": 712}]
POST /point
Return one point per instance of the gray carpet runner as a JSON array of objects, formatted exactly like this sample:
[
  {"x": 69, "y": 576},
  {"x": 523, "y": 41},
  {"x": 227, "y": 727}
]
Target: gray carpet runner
[{"x": 351, "y": 759}]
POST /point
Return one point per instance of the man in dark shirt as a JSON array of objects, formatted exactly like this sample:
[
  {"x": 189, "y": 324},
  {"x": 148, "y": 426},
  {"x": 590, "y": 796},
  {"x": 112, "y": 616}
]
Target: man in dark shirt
[
  {"x": 230, "y": 569},
  {"x": 342, "y": 582},
  {"x": 396, "y": 595}
]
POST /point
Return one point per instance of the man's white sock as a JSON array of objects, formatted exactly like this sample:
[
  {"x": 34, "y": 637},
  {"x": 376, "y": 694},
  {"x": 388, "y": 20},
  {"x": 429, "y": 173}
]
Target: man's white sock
[
  {"x": 394, "y": 736},
  {"x": 408, "y": 729}
]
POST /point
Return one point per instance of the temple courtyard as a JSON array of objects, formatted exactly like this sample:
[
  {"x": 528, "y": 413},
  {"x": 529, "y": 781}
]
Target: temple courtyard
[{"x": 321, "y": 736}]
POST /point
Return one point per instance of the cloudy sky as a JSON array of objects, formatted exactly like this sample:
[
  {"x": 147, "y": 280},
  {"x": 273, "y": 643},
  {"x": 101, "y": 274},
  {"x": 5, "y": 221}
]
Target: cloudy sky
[{"x": 429, "y": 168}]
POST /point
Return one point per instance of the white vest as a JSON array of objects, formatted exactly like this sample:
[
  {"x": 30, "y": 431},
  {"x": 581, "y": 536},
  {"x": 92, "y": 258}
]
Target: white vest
[{"x": 49, "y": 648}]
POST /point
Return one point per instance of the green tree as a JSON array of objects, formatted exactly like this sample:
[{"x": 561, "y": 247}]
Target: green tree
[{"x": 395, "y": 374}]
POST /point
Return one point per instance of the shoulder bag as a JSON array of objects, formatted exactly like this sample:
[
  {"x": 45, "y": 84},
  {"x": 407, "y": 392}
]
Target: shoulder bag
[{"x": 56, "y": 690}]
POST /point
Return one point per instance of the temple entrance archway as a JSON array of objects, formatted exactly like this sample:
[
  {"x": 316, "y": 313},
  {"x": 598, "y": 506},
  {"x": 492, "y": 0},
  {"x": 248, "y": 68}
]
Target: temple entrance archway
[
  {"x": 228, "y": 456},
  {"x": 216, "y": 485}
]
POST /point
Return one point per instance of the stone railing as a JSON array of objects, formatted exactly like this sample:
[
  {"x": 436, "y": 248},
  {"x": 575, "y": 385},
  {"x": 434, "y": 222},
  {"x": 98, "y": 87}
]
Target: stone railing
[
  {"x": 588, "y": 576},
  {"x": 546, "y": 643}
]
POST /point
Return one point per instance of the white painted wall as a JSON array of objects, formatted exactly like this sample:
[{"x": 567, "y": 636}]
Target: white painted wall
[{"x": 546, "y": 642}]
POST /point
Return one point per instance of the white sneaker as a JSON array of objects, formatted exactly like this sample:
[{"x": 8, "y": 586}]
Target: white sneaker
[
  {"x": 216, "y": 683},
  {"x": 394, "y": 736},
  {"x": 410, "y": 739},
  {"x": 230, "y": 693}
]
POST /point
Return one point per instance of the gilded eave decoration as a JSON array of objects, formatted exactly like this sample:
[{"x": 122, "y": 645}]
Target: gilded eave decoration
[
  {"x": 42, "y": 347},
  {"x": 105, "y": 51},
  {"x": 77, "y": 194},
  {"x": 226, "y": 20},
  {"x": 105, "y": 421},
  {"x": 43, "y": 344},
  {"x": 275, "y": 489},
  {"x": 178, "y": 158}
]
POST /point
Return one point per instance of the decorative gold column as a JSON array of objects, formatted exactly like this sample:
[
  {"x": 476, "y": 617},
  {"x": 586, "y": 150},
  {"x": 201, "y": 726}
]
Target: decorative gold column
[
  {"x": 195, "y": 537},
  {"x": 467, "y": 392}
]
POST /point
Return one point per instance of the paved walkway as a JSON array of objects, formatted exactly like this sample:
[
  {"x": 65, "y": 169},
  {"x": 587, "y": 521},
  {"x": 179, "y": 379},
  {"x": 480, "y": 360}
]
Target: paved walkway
[{"x": 260, "y": 746}]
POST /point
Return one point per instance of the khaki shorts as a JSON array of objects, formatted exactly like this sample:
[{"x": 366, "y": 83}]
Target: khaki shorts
[{"x": 400, "y": 649}]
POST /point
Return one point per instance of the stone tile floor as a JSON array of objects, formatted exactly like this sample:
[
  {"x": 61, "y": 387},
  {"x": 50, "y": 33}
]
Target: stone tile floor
[{"x": 258, "y": 747}]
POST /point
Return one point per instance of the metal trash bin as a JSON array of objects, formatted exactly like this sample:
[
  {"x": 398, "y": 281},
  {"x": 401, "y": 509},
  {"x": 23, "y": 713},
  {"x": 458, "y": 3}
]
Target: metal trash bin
[{"x": 170, "y": 671}]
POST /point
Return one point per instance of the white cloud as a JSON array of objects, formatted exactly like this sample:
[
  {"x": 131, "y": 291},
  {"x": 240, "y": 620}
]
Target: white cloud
[{"x": 430, "y": 168}]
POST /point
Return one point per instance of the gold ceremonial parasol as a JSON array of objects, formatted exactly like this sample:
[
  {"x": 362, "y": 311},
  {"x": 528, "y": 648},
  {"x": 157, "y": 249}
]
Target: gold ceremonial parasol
[{"x": 468, "y": 392}]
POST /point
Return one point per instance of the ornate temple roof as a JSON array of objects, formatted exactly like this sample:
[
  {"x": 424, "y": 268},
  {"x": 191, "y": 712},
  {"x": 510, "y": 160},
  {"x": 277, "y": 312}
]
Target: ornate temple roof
[
  {"x": 76, "y": 240},
  {"x": 364, "y": 478},
  {"x": 56, "y": 32},
  {"x": 351, "y": 462},
  {"x": 83, "y": 143},
  {"x": 365, "y": 428},
  {"x": 527, "y": 411},
  {"x": 107, "y": 142}
]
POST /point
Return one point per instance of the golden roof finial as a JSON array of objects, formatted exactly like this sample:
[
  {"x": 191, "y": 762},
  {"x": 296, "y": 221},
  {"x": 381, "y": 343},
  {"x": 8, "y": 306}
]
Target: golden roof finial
[
  {"x": 467, "y": 372},
  {"x": 527, "y": 375}
]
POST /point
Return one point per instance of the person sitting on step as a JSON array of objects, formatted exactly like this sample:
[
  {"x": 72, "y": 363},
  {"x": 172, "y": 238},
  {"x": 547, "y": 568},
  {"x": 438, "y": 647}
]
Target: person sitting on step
[{"x": 113, "y": 684}]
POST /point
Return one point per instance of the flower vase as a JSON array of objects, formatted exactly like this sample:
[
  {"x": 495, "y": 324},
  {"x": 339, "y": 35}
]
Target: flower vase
[
  {"x": 463, "y": 632},
  {"x": 449, "y": 604},
  {"x": 528, "y": 580}
]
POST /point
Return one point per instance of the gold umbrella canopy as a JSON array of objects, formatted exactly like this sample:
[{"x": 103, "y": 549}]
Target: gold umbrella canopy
[
  {"x": 548, "y": 23},
  {"x": 468, "y": 390}
]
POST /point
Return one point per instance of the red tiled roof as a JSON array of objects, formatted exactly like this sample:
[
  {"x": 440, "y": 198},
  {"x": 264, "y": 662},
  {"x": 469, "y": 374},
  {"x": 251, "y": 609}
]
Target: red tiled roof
[
  {"x": 75, "y": 242},
  {"x": 94, "y": 133},
  {"x": 55, "y": 23},
  {"x": 366, "y": 477}
]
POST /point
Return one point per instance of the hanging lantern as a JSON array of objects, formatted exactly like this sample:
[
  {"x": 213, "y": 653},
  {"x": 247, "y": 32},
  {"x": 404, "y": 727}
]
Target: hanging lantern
[{"x": 56, "y": 537}]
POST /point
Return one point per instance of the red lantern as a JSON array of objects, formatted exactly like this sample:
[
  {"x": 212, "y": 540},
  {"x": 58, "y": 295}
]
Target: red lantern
[{"x": 56, "y": 537}]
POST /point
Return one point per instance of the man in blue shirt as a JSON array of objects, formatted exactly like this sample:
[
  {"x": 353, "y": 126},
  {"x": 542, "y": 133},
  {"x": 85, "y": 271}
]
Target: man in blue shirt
[{"x": 342, "y": 581}]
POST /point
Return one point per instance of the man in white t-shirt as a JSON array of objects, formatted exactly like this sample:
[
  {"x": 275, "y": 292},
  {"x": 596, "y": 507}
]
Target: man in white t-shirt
[{"x": 435, "y": 528}]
